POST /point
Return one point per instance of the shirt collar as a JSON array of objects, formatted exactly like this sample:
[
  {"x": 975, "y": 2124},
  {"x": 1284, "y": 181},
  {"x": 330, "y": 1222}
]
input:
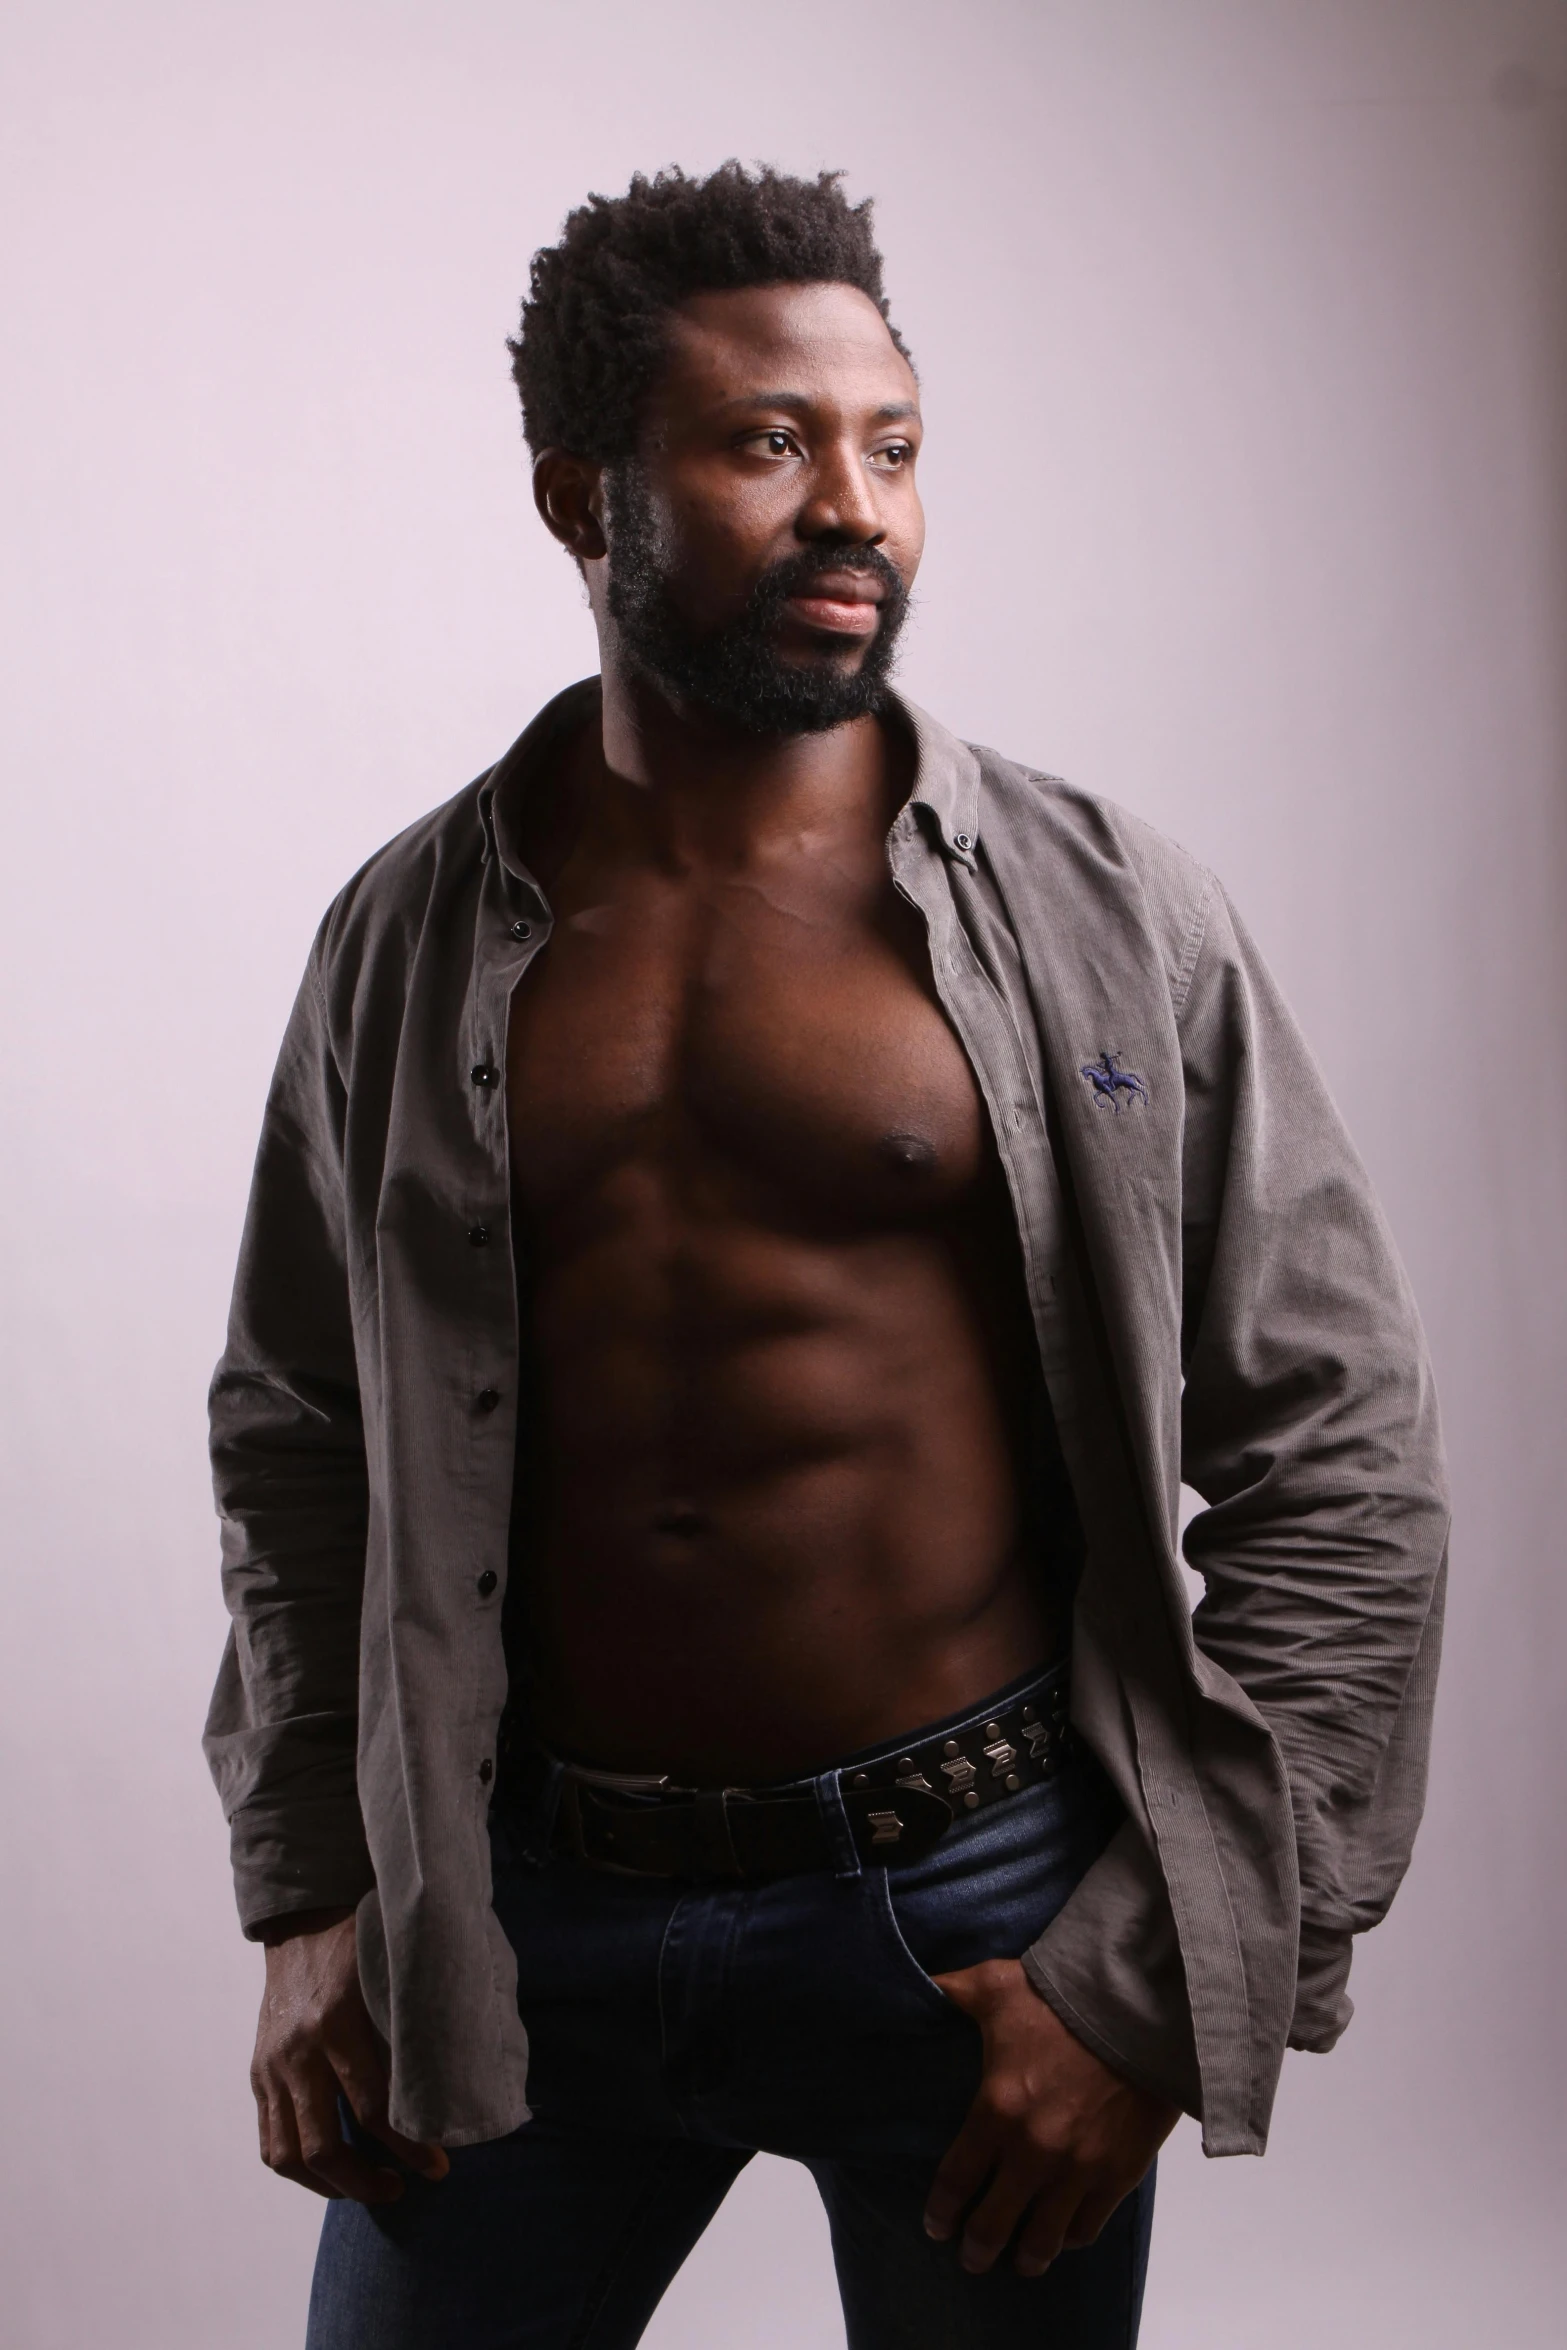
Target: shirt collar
[
  {"x": 502, "y": 793},
  {"x": 946, "y": 774},
  {"x": 946, "y": 780}
]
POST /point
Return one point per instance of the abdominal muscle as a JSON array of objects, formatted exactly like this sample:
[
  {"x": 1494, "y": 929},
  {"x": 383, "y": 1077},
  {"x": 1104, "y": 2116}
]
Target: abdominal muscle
[{"x": 767, "y": 1506}]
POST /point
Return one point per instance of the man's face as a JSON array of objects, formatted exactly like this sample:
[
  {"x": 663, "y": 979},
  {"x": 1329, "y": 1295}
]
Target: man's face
[{"x": 763, "y": 541}]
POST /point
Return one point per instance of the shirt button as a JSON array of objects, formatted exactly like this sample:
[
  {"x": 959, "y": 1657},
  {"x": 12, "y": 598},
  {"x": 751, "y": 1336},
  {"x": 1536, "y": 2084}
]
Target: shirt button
[
  {"x": 487, "y": 1398},
  {"x": 522, "y": 930},
  {"x": 478, "y": 1235},
  {"x": 487, "y": 1582},
  {"x": 963, "y": 840},
  {"x": 486, "y": 1772},
  {"x": 482, "y": 1073}
]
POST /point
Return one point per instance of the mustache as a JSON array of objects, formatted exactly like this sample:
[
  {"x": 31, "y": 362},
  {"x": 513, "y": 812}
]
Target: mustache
[{"x": 796, "y": 573}]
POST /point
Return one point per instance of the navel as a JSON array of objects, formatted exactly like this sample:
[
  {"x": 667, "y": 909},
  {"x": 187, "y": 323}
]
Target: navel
[{"x": 680, "y": 1518}]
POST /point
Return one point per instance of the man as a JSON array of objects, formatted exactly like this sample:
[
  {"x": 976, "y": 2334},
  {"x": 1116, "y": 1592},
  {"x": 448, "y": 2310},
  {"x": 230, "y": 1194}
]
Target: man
[{"x": 760, "y": 1207}]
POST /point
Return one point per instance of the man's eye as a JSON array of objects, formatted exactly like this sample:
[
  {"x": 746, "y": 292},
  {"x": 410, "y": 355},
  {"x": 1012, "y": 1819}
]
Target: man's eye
[
  {"x": 893, "y": 457},
  {"x": 774, "y": 444}
]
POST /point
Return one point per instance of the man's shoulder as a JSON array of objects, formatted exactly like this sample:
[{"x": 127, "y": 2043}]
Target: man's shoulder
[
  {"x": 1104, "y": 849},
  {"x": 423, "y": 873},
  {"x": 397, "y": 890},
  {"x": 1052, "y": 804}
]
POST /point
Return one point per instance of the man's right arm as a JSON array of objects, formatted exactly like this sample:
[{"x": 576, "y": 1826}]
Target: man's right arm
[{"x": 289, "y": 1473}]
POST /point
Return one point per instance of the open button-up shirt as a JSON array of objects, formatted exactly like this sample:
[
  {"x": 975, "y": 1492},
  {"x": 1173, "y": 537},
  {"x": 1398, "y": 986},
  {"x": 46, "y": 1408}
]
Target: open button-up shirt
[{"x": 1216, "y": 1299}]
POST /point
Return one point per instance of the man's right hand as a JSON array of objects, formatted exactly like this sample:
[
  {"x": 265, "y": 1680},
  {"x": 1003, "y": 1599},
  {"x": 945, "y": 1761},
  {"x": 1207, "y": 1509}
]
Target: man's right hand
[{"x": 314, "y": 2043}]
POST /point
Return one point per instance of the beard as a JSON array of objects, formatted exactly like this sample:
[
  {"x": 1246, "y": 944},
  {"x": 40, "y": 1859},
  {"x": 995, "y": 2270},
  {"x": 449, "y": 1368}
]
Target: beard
[{"x": 735, "y": 671}]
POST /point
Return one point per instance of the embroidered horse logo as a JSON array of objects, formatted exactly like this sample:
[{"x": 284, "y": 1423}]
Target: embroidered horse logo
[{"x": 1111, "y": 1082}]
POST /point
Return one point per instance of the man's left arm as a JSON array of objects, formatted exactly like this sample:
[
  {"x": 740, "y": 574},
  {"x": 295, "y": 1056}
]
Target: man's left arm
[{"x": 1310, "y": 1429}]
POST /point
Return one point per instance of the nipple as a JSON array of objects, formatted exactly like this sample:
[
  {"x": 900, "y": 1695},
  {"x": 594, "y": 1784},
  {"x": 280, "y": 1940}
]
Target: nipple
[{"x": 910, "y": 1154}]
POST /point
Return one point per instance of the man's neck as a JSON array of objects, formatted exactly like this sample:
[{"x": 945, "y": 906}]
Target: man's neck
[{"x": 706, "y": 792}]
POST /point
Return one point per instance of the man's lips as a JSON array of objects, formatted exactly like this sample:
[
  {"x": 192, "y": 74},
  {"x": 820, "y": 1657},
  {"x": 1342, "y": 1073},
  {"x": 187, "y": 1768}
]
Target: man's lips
[{"x": 846, "y": 602}]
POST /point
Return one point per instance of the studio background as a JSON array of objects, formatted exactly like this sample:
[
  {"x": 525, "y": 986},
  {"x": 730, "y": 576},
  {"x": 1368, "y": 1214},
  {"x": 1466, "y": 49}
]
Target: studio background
[{"x": 1243, "y": 337}]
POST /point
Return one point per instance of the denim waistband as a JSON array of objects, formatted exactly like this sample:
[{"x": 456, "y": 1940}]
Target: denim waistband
[
  {"x": 907, "y": 1792},
  {"x": 1038, "y": 1679}
]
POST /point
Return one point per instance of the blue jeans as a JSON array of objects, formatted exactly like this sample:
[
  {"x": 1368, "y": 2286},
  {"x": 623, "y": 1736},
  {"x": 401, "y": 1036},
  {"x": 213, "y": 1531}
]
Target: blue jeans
[{"x": 677, "y": 2029}]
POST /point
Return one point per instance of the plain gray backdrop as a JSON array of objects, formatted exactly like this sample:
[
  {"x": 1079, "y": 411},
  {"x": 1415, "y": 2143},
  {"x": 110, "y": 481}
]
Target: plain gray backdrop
[{"x": 1243, "y": 335}]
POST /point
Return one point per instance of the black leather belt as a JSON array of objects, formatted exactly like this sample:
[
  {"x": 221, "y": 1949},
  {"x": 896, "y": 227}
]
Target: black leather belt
[{"x": 898, "y": 1803}]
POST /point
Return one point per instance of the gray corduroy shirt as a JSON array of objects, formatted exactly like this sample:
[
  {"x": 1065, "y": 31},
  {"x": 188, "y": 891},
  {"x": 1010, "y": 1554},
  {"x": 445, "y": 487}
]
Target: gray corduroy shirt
[{"x": 1217, "y": 1301}]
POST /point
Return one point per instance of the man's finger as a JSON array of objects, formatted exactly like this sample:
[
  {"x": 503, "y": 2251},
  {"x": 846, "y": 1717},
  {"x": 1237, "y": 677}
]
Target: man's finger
[
  {"x": 280, "y": 2145},
  {"x": 366, "y": 2092},
  {"x": 323, "y": 2149},
  {"x": 298, "y": 2176},
  {"x": 1045, "y": 2231},
  {"x": 1092, "y": 2215},
  {"x": 993, "y": 2222},
  {"x": 957, "y": 1988},
  {"x": 421, "y": 2155},
  {"x": 966, "y": 2165},
  {"x": 331, "y": 2165},
  {"x": 339, "y": 2170}
]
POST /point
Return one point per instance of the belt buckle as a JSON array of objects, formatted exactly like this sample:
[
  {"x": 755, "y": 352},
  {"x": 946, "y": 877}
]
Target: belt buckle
[
  {"x": 576, "y": 1776},
  {"x": 569, "y": 1817},
  {"x": 623, "y": 1782},
  {"x": 716, "y": 1857}
]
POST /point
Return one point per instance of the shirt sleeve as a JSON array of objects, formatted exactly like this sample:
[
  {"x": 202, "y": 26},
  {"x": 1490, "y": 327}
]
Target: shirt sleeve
[
  {"x": 289, "y": 1475},
  {"x": 1309, "y": 1428},
  {"x": 1114, "y": 1976}
]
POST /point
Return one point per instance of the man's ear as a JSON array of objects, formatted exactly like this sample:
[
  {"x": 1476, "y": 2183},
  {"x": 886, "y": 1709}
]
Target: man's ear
[{"x": 568, "y": 492}]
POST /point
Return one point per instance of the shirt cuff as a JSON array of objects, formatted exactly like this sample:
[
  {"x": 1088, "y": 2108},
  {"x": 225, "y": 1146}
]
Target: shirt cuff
[
  {"x": 302, "y": 1856},
  {"x": 1110, "y": 1965},
  {"x": 1322, "y": 2004}
]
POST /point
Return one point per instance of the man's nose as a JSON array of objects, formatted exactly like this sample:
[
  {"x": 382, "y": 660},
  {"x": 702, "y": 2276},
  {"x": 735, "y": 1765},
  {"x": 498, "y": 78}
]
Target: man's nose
[{"x": 842, "y": 504}]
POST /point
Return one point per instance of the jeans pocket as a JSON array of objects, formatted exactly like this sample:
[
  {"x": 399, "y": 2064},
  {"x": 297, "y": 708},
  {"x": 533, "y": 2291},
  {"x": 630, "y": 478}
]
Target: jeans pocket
[
  {"x": 990, "y": 1887},
  {"x": 878, "y": 1892}
]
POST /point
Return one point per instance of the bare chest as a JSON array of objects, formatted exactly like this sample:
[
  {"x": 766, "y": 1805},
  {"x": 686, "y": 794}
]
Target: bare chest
[{"x": 785, "y": 1041}]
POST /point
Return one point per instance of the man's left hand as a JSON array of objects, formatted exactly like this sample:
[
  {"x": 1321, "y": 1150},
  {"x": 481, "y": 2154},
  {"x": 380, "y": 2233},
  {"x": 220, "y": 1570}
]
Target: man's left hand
[{"x": 1054, "y": 2138}]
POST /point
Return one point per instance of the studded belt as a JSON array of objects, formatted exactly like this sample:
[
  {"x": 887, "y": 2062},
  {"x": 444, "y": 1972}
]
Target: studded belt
[{"x": 898, "y": 1803}]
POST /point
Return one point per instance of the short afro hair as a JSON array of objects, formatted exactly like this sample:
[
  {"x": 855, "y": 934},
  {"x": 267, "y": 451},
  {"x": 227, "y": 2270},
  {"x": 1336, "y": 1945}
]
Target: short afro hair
[{"x": 593, "y": 328}]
